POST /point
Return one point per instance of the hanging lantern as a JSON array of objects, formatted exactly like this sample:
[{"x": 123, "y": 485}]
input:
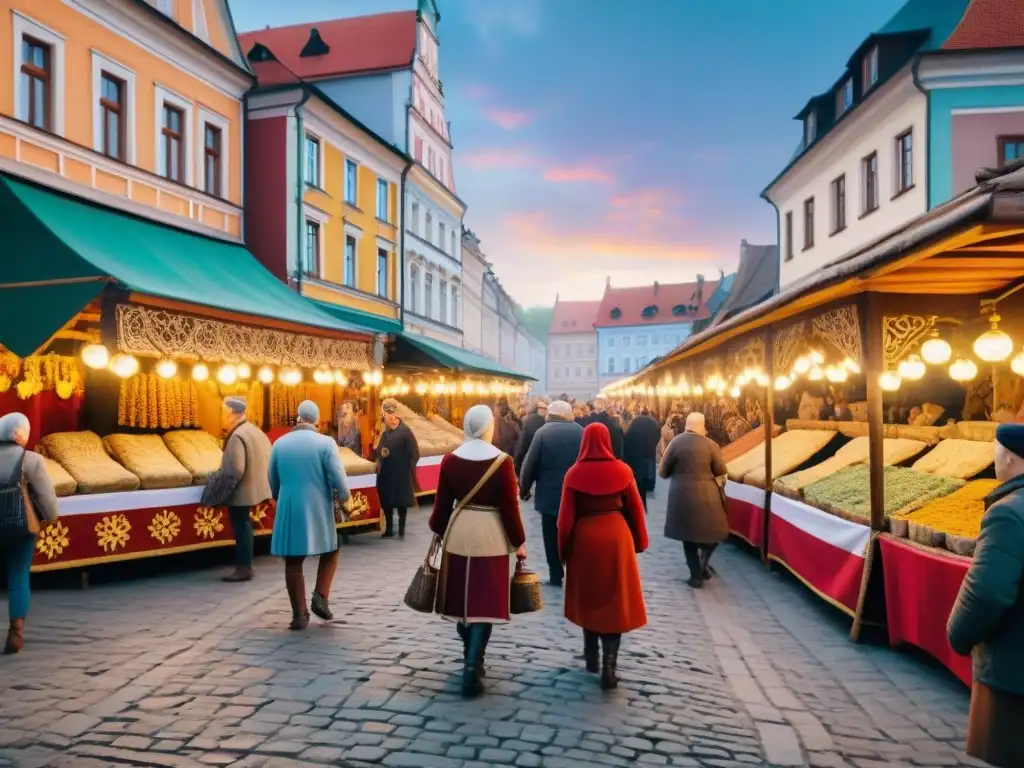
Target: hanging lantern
[
  {"x": 265, "y": 374},
  {"x": 421, "y": 388},
  {"x": 340, "y": 378},
  {"x": 913, "y": 368},
  {"x": 851, "y": 365},
  {"x": 323, "y": 376},
  {"x": 698, "y": 390},
  {"x": 782, "y": 383},
  {"x": 1017, "y": 364},
  {"x": 815, "y": 374},
  {"x": 762, "y": 379},
  {"x": 801, "y": 366},
  {"x": 227, "y": 374},
  {"x": 816, "y": 357},
  {"x": 166, "y": 368},
  {"x": 376, "y": 377},
  {"x": 124, "y": 366},
  {"x": 95, "y": 356},
  {"x": 200, "y": 372},
  {"x": 889, "y": 381},
  {"x": 836, "y": 374},
  {"x": 290, "y": 377},
  {"x": 735, "y": 392},
  {"x": 994, "y": 345},
  {"x": 963, "y": 369},
  {"x": 244, "y": 371},
  {"x": 936, "y": 351}
]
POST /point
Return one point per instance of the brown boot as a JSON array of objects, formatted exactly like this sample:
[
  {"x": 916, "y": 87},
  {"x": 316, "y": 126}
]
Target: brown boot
[
  {"x": 325, "y": 569},
  {"x": 296, "y": 586},
  {"x": 240, "y": 574},
  {"x": 15, "y": 636}
]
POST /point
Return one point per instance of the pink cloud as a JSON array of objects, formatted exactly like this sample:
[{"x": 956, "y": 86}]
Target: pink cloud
[
  {"x": 509, "y": 119},
  {"x": 476, "y": 91},
  {"x": 487, "y": 159},
  {"x": 577, "y": 173}
]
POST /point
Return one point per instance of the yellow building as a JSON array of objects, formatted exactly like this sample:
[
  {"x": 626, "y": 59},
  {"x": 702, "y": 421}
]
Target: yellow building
[
  {"x": 323, "y": 195},
  {"x": 132, "y": 104}
]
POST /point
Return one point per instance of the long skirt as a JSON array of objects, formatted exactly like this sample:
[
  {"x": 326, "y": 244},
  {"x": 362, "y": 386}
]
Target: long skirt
[
  {"x": 602, "y": 580},
  {"x": 477, "y": 564},
  {"x": 995, "y": 726}
]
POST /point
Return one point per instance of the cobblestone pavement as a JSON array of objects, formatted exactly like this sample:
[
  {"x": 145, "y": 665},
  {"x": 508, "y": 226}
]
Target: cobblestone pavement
[{"x": 181, "y": 670}]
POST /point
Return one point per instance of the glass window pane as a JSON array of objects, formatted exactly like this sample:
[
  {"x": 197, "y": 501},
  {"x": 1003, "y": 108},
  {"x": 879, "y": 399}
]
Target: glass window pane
[
  {"x": 113, "y": 135},
  {"x": 26, "y": 96},
  {"x": 39, "y": 97}
]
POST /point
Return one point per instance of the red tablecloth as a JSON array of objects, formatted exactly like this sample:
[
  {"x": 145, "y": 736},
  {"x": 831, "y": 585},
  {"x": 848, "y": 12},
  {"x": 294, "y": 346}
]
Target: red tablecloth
[{"x": 920, "y": 590}]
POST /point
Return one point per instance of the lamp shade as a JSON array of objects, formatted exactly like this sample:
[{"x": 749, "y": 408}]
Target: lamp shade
[
  {"x": 994, "y": 345},
  {"x": 963, "y": 369},
  {"x": 912, "y": 368},
  {"x": 889, "y": 381},
  {"x": 936, "y": 351}
]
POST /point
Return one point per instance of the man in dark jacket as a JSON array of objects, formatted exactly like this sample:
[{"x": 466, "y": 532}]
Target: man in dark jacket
[
  {"x": 988, "y": 618},
  {"x": 533, "y": 422},
  {"x": 396, "y": 454},
  {"x": 639, "y": 449},
  {"x": 602, "y": 416},
  {"x": 553, "y": 451},
  {"x": 506, "y": 429}
]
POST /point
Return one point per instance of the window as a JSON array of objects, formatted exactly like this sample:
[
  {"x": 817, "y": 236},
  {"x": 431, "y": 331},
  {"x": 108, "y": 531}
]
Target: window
[
  {"x": 579, "y": 350},
  {"x": 568, "y": 350},
  {"x": 590, "y": 371},
  {"x": 312, "y": 161},
  {"x": 641, "y": 341},
  {"x": 351, "y": 186},
  {"x": 579, "y": 372},
  {"x": 1010, "y": 148},
  {"x": 625, "y": 365},
  {"x": 641, "y": 363},
  {"x": 453, "y": 244},
  {"x": 611, "y": 365},
  {"x": 810, "y": 128},
  {"x": 839, "y": 204},
  {"x": 418, "y": 151},
  {"x": 430, "y": 159},
  {"x": 312, "y": 265},
  {"x": 349, "y": 277},
  {"x": 455, "y": 307},
  {"x": 382, "y": 272},
  {"x": 36, "y": 106},
  {"x": 590, "y": 349},
  {"x": 414, "y": 289},
  {"x": 415, "y": 219},
  {"x": 428, "y": 230},
  {"x": 382, "y": 200},
  {"x": 654, "y": 339},
  {"x": 165, "y": 7},
  {"x": 112, "y": 114},
  {"x": 904, "y": 162},
  {"x": 211, "y": 160},
  {"x": 869, "y": 174},
  {"x": 428, "y": 294},
  {"x": 870, "y": 69},
  {"x": 844, "y": 98},
  {"x": 440, "y": 235},
  {"x": 558, "y": 372},
  {"x": 625, "y": 341},
  {"x": 442, "y": 308},
  {"x": 610, "y": 342},
  {"x": 789, "y": 235},
  {"x": 173, "y": 144},
  {"x": 808, "y": 223}
]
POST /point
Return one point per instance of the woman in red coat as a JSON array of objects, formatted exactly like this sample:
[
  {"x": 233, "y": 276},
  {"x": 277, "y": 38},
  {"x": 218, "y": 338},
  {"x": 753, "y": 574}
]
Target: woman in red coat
[{"x": 601, "y": 528}]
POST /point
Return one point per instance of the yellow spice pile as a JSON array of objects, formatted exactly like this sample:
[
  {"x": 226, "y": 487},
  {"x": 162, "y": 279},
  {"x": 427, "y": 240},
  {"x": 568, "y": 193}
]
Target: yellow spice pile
[{"x": 959, "y": 513}]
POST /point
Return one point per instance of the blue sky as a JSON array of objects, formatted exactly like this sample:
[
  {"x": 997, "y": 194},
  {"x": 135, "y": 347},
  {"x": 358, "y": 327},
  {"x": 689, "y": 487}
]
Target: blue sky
[{"x": 619, "y": 138}]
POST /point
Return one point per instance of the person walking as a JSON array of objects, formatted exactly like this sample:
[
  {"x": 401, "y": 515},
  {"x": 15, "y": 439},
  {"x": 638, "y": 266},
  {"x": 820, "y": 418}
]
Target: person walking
[
  {"x": 639, "y": 451},
  {"x": 477, "y": 515},
  {"x": 396, "y": 453},
  {"x": 506, "y": 429},
  {"x": 241, "y": 482},
  {"x": 987, "y": 620},
  {"x": 601, "y": 528},
  {"x": 553, "y": 451},
  {"x": 21, "y": 469},
  {"x": 695, "y": 514},
  {"x": 533, "y": 422},
  {"x": 305, "y": 476}
]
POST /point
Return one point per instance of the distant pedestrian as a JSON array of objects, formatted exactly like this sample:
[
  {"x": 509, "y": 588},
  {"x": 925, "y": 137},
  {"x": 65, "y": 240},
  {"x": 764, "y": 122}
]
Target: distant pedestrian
[
  {"x": 538, "y": 415},
  {"x": 695, "y": 514},
  {"x": 397, "y": 453},
  {"x": 305, "y": 476},
  {"x": 601, "y": 528},
  {"x": 476, "y": 512},
  {"x": 603, "y": 416},
  {"x": 506, "y": 429},
  {"x": 349, "y": 434},
  {"x": 553, "y": 451},
  {"x": 987, "y": 620},
  {"x": 639, "y": 451},
  {"x": 241, "y": 482},
  {"x": 21, "y": 469}
]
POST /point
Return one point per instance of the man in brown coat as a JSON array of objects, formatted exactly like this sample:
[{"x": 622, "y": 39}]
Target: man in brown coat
[{"x": 241, "y": 483}]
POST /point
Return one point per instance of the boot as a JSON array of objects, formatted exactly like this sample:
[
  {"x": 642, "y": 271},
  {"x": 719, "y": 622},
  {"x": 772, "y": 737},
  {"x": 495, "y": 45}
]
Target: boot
[
  {"x": 240, "y": 574},
  {"x": 325, "y": 568},
  {"x": 296, "y": 586},
  {"x": 707, "y": 572},
  {"x": 610, "y": 662},
  {"x": 463, "y": 631},
  {"x": 591, "y": 655},
  {"x": 15, "y": 636},
  {"x": 487, "y": 639},
  {"x": 401, "y": 522},
  {"x": 472, "y": 684},
  {"x": 389, "y": 524}
]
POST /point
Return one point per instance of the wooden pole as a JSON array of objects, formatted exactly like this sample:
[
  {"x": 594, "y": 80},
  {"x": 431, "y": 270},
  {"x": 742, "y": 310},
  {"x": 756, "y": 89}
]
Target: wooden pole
[
  {"x": 769, "y": 426},
  {"x": 874, "y": 365}
]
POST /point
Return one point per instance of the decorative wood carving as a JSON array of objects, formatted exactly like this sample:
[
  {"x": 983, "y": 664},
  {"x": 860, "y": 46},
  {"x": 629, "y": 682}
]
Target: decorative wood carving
[
  {"x": 903, "y": 333},
  {"x": 840, "y": 328}
]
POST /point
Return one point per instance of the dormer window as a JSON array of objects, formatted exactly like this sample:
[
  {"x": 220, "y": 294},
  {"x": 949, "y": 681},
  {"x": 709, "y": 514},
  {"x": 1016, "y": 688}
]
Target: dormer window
[
  {"x": 650, "y": 311},
  {"x": 616, "y": 313},
  {"x": 844, "y": 99},
  {"x": 810, "y": 128},
  {"x": 870, "y": 68}
]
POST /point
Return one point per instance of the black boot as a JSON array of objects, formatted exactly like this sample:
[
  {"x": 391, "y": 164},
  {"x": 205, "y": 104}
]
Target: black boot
[
  {"x": 610, "y": 662},
  {"x": 591, "y": 654},
  {"x": 476, "y": 644},
  {"x": 707, "y": 572},
  {"x": 402, "y": 511},
  {"x": 389, "y": 523}
]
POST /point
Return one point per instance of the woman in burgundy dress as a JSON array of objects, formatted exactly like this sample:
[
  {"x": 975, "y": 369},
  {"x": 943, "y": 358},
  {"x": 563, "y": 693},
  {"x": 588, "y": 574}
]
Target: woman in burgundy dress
[
  {"x": 601, "y": 529},
  {"x": 476, "y": 511}
]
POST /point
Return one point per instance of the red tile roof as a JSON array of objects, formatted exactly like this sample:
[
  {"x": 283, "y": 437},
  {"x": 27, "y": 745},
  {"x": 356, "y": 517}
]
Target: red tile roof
[
  {"x": 358, "y": 45},
  {"x": 989, "y": 24},
  {"x": 574, "y": 316},
  {"x": 631, "y": 303}
]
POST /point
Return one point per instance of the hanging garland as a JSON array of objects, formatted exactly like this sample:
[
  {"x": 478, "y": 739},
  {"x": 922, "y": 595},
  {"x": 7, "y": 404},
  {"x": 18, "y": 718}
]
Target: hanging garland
[
  {"x": 42, "y": 373},
  {"x": 147, "y": 401}
]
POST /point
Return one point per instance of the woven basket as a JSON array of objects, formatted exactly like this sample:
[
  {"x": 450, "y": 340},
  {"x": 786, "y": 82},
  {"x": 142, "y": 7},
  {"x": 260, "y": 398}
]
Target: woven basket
[{"x": 525, "y": 595}]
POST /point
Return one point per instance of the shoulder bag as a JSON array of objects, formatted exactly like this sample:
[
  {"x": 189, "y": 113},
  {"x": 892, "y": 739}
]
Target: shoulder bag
[
  {"x": 423, "y": 589},
  {"x": 17, "y": 513}
]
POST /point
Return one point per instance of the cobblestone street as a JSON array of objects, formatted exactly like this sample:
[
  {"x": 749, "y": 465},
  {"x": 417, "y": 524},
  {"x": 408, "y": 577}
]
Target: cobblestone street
[{"x": 182, "y": 670}]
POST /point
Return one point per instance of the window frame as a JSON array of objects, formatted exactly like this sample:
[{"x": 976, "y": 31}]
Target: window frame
[
  {"x": 428, "y": 294},
  {"x": 904, "y": 147},
  {"x": 837, "y": 199},
  {"x": 349, "y": 276},
  {"x": 312, "y": 140},
  {"x": 167, "y": 137},
  {"x": 810, "y": 128},
  {"x": 442, "y": 301},
  {"x": 164, "y": 97},
  {"x": 386, "y": 249},
  {"x": 611, "y": 364},
  {"x": 351, "y": 172},
  {"x": 33, "y": 74},
  {"x": 845, "y": 89},
  {"x": 808, "y": 209},
  {"x": 103, "y": 65},
  {"x": 414, "y": 287},
  {"x": 312, "y": 226},
  {"x": 870, "y": 63},
  {"x": 414, "y": 216},
  {"x": 788, "y": 224},
  {"x": 217, "y": 154},
  {"x": 24, "y": 26},
  {"x": 107, "y": 109},
  {"x": 869, "y": 184},
  {"x": 383, "y": 187},
  {"x": 455, "y": 306},
  {"x": 1008, "y": 140}
]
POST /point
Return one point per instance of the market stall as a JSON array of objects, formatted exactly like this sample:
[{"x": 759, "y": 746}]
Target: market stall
[{"x": 876, "y": 411}]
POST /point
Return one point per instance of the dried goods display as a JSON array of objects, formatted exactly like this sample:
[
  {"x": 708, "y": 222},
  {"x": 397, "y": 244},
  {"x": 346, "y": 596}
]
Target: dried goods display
[
  {"x": 847, "y": 492},
  {"x": 437, "y": 421},
  {"x": 63, "y": 483},
  {"x": 149, "y": 401},
  {"x": 432, "y": 439},
  {"x": 747, "y": 443},
  {"x": 354, "y": 464},
  {"x": 789, "y": 451},
  {"x": 147, "y": 457},
  {"x": 198, "y": 451},
  {"x": 84, "y": 457},
  {"x": 894, "y": 451},
  {"x": 956, "y": 517},
  {"x": 957, "y": 458}
]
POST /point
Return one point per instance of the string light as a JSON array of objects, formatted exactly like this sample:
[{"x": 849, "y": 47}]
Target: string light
[
  {"x": 913, "y": 368},
  {"x": 95, "y": 356},
  {"x": 227, "y": 374},
  {"x": 1017, "y": 364},
  {"x": 166, "y": 368},
  {"x": 200, "y": 372},
  {"x": 244, "y": 371},
  {"x": 963, "y": 369},
  {"x": 994, "y": 345},
  {"x": 836, "y": 374},
  {"x": 936, "y": 351},
  {"x": 124, "y": 366},
  {"x": 889, "y": 381},
  {"x": 265, "y": 374},
  {"x": 782, "y": 383}
]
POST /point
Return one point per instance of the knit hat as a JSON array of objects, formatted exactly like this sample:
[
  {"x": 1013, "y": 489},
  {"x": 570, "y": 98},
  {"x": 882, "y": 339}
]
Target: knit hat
[
  {"x": 309, "y": 412},
  {"x": 1011, "y": 437},
  {"x": 235, "y": 404},
  {"x": 390, "y": 405},
  {"x": 560, "y": 409}
]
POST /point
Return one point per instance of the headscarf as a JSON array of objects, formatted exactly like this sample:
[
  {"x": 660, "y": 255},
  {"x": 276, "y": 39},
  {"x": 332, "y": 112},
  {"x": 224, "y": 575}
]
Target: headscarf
[
  {"x": 596, "y": 470},
  {"x": 478, "y": 420},
  {"x": 597, "y": 444},
  {"x": 695, "y": 424}
]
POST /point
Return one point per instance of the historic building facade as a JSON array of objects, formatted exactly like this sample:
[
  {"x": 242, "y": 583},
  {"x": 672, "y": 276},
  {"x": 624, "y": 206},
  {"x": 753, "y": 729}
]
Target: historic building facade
[{"x": 572, "y": 349}]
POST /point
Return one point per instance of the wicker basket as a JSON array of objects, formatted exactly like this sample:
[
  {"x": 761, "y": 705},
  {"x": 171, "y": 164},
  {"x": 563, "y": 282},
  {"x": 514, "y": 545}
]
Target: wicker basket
[{"x": 525, "y": 596}]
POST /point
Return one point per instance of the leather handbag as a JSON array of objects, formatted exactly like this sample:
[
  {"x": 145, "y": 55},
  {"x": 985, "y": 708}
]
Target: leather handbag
[
  {"x": 525, "y": 595},
  {"x": 422, "y": 591},
  {"x": 17, "y": 512}
]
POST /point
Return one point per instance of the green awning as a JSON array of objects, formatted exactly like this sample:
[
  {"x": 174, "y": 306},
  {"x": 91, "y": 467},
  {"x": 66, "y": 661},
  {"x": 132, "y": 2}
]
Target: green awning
[
  {"x": 457, "y": 358},
  {"x": 362, "y": 319},
  {"x": 57, "y": 253}
]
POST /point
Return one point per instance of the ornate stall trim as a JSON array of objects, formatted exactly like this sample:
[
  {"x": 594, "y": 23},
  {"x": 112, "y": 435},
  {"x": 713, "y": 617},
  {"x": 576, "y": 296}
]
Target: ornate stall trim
[
  {"x": 840, "y": 328},
  {"x": 902, "y": 333},
  {"x": 787, "y": 345}
]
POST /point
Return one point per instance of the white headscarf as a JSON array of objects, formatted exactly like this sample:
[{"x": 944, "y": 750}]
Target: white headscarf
[
  {"x": 478, "y": 420},
  {"x": 695, "y": 423}
]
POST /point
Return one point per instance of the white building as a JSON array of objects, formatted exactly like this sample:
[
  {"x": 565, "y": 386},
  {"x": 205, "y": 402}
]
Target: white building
[{"x": 474, "y": 266}]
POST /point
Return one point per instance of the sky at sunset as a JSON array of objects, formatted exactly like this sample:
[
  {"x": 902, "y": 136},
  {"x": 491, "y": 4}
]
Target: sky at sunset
[{"x": 598, "y": 138}]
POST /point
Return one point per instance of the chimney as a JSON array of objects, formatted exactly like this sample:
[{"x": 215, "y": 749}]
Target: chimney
[
  {"x": 655, "y": 287},
  {"x": 608, "y": 282},
  {"x": 315, "y": 46},
  {"x": 700, "y": 289}
]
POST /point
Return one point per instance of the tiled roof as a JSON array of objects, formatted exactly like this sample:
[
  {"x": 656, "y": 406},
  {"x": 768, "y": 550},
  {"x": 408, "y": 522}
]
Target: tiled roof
[
  {"x": 655, "y": 304},
  {"x": 756, "y": 280},
  {"x": 574, "y": 316},
  {"x": 989, "y": 24},
  {"x": 357, "y": 45}
]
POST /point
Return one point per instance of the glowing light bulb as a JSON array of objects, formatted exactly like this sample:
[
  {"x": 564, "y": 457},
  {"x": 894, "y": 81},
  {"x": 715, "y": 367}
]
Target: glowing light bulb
[
  {"x": 816, "y": 357},
  {"x": 963, "y": 369},
  {"x": 815, "y": 374},
  {"x": 851, "y": 365},
  {"x": 227, "y": 374},
  {"x": 265, "y": 374},
  {"x": 994, "y": 345},
  {"x": 340, "y": 378},
  {"x": 166, "y": 368},
  {"x": 836, "y": 374},
  {"x": 95, "y": 356},
  {"x": 1017, "y": 364},
  {"x": 936, "y": 351},
  {"x": 124, "y": 366},
  {"x": 782, "y": 383},
  {"x": 801, "y": 366},
  {"x": 735, "y": 392},
  {"x": 698, "y": 390},
  {"x": 244, "y": 371},
  {"x": 200, "y": 372},
  {"x": 889, "y": 381},
  {"x": 913, "y": 368}
]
